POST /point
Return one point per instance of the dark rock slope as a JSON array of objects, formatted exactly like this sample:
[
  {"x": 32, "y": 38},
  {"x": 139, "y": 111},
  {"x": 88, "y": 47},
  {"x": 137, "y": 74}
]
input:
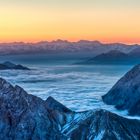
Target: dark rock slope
[
  {"x": 26, "y": 117},
  {"x": 8, "y": 66},
  {"x": 23, "y": 116},
  {"x": 125, "y": 94}
]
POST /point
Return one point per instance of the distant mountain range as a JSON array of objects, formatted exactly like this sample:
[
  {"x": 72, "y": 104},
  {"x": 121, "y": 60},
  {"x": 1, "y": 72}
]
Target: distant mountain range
[{"x": 87, "y": 48}]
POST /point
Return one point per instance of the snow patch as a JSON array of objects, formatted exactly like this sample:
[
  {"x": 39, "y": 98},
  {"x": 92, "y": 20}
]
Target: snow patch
[{"x": 99, "y": 136}]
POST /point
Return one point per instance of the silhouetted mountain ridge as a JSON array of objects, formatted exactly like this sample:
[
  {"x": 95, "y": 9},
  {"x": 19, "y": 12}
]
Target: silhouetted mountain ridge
[
  {"x": 113, "y": 57},
  {"x": 9, "y": 66}
]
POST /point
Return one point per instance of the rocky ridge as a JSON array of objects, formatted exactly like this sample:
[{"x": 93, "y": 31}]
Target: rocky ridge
[
  {"x": 27, "y": 117},
  {"x": 125, "y": 94}
]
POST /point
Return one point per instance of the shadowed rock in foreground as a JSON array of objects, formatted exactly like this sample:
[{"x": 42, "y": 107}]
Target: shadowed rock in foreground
[
  {"x": 8, "y": 66},
  {"x": 125, "y": 94},
  {"x": 26, "y": 117}
]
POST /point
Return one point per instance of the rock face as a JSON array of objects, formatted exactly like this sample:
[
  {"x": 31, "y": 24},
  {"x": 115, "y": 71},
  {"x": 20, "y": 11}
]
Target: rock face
[
  {"x": 103, "y": 125},
  {"x": 23, "y": 116},
  {"x": 26, "y": 117},
  {"x": 125, "y": 94},
  {"x": 8, "y": 65},
  {"x": 52, "y": 104}
]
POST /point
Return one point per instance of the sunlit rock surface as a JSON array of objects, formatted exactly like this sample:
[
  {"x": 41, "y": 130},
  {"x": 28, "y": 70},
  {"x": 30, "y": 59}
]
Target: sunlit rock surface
[
  {"x": 26, "y": 117},
  {"x": 125, "y": 94}
]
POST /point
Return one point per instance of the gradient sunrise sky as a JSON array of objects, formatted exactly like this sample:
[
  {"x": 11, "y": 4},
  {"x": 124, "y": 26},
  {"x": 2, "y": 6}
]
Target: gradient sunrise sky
[{"x": 36, "y": 20}]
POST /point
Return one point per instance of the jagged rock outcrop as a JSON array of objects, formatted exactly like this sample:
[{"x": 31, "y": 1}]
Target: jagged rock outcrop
[
  {"x": 103, "y": 125},
  {"x": 8, "y": 66},
  {"x": 125, "y": 94},
  {"x": 26, "y": 117},
  {"x": 52, "y": 104}
]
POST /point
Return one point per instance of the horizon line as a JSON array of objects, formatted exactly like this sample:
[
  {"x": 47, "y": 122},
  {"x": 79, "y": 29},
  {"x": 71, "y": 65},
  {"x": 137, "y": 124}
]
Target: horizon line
[{"x": 65, "y": 40}]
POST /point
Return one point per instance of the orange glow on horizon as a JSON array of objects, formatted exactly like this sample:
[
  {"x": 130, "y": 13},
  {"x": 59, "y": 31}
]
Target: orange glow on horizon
[{"x": 41, "y": 20}]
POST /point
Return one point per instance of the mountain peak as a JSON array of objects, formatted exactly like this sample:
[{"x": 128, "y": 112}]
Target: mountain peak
[
  {"x": 89, "y": 42},
  {"x": 111, "y": 57},
  {"x": 2, "y": 81},
  {"x": 60, "y": 41},
  {"x": 9, "y": 64},
  {"x": 125, "y": 94},
  {"x": 55, "y": 105},
  {"x": 4, "y": 85}
]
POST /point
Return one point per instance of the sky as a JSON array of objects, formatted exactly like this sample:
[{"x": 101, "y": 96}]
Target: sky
[{"x": 39, "y": 20}]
